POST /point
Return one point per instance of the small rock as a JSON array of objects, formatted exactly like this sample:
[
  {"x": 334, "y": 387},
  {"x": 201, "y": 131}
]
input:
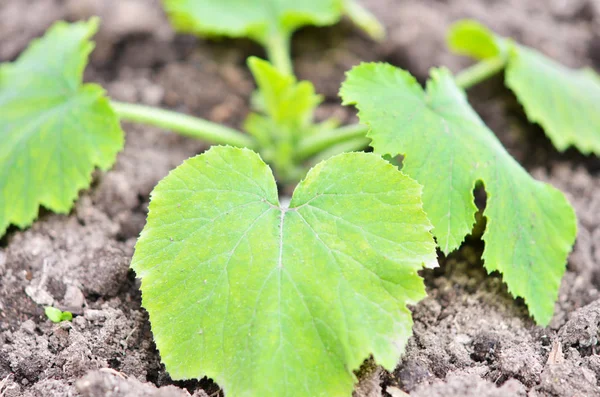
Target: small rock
[
  {"x": 29, "y": 327},
  {"x": 73, "y": 300},
  {"x": 79, "y": 322},
  {"x": 94, "y": 315},
  {"x": 39, "y": 295}
]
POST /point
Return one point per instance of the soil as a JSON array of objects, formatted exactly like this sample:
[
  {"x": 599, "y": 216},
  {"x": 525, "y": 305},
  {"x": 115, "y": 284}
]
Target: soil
[{"x": 470, "y": 337}]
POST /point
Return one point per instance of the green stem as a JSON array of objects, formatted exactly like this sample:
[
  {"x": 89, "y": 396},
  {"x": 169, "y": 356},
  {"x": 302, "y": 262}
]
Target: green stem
[
  {"x": 314, "y": 144},
  {"x": 279, "y": 52},
  {"x": 480, "y": 71},
  {"x": 185, "y": 125},
  {"x": 364, "y": 19}
]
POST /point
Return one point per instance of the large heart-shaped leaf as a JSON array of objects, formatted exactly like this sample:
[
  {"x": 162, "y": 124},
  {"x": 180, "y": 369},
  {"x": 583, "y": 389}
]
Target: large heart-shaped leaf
[
  {"x": 282, "y": 300},
  {"x": 531, "y": 227},
  {"x": 260, "y": 20},
  {"x": 564, "y": 101},
  {"x": 54, "y": 130}
]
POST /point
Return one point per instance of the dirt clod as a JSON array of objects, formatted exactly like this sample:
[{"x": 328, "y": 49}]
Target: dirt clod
[{"x": 113, "y": 384}]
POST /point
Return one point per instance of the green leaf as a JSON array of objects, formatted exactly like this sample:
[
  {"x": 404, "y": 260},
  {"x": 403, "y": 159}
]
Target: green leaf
[
  {"x": 277, "y": 300},
  {"x": 289, "y": 105},
  {"x": 468, "y": 37},
  {"x": 285, "y": 100},
  {"x": 530, "y": 225},
  {"x": 54, "y": 130},
  {"x": 564, "y": 101},
  {"x": 269, "y": 22},
  {"x": 258, "y": 19},
  {"x": 289, "y": 108},
  {"x": 56, "y": 316}
]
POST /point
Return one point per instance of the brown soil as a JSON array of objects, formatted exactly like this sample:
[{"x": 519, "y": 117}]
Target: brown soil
[{"x": 470, "y": 337}]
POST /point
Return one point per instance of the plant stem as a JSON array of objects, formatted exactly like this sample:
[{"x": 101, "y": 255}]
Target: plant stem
[
  {"x": 364, "y": 19},
  {"x": 185, "y": 125},
  {"x": 279, "y": 52},
  {"x": 326, "y": 139},
  {"x": 480, "y": 71}
]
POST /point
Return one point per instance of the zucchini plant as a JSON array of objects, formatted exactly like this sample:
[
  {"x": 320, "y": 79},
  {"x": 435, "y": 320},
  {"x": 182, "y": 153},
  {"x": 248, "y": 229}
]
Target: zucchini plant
[{"x": 272, "y": 295}]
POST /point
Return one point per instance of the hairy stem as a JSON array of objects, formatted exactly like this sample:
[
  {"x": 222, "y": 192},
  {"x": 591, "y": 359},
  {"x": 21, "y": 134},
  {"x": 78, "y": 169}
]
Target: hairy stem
[
  {"x": 279, "y": 52},
  {"x": 317, "y": 143},
  {"x": 480, "y": 71},
  {"x": 183, "y": 124}
]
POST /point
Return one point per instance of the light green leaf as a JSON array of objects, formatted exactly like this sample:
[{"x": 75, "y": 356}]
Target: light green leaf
[
  {"x": 277, "y": 300},
  {"x": 564, "y": 101},
  {"x": 289, "y": 108},
  {"x": 530, "y": 225},
  {"x": 269, "y": 22},
  {"x": 289, "y": 105},
  {"x": 258, "y": 19},
  {"x": 53, "y": 129},
  {"x": 468, "y": 37},
  {"x": 56, "y": 315}
]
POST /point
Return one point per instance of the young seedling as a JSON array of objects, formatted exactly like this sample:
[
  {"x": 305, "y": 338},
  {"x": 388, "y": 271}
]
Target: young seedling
[
  {"x": 276, "y": 296},
  {"x": 55, "y": 129},
  {"x": 278, "y": 299},
  {"x": 56, "y": 315}
]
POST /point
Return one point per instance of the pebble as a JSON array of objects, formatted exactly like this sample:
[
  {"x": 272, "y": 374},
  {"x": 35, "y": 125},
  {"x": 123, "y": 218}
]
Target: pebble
[{"x": 73, "y": 300}]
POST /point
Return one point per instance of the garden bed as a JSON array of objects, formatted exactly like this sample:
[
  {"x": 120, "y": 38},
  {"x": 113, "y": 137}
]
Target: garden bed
[{"x": 470, "y": 337}]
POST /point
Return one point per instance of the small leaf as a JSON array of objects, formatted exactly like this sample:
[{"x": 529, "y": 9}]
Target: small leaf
[
  {"x": 468, "y": 37},
  {"x": 285, "y": 100},
  {"x": 289, "y": 108},
  {"x": 530, "y": 225},
  {"x": 56, "y": 316},
  {"x": 258, "y": 19},
  {"x": 271, "y": 300},
  {"x": 54, "y": 130},
  {"x": 565, "y": 102},
  {"x": 289, "y": 104}
]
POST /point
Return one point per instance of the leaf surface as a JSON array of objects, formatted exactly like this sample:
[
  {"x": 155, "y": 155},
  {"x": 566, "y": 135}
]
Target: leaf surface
[
  {"x": 276, "y": 300},
  {"x": 285, "y": 100},
  {"x": 54, "y": 130},
  {"x": 257, "y": 19},
  {"x": 564, "y": 101},
  {"x": 531, "y": 227}
]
